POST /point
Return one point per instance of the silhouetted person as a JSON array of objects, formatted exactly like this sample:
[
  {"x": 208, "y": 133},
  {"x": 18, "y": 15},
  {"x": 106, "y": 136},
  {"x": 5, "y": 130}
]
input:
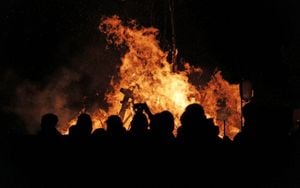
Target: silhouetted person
[
  {"x": 196, "y": 128},
  {"x": 83, "y": 127},
  {"x": 265, "y": 130},
  {"x": 264, "y": 124},
  {"x": 138, "y": 131},
  {"x": 72, "y": 131},
  {"x": 161, "y": 128},
  {"x": 48, "y": 126},
  {"x": 115, "y": 130},
  {"x": 248, "y": 134}
]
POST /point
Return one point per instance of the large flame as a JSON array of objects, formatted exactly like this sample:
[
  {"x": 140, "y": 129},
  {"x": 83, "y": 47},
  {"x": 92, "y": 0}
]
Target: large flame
[{"x": 148, "y": 76}]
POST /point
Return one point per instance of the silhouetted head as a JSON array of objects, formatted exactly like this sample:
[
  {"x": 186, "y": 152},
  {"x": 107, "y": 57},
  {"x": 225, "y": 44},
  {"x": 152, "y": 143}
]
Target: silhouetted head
[
  {"x": 139, "y": 123},
  {"x": 72, "y": 130},
  {"x": 162, "y": 123},
  {"x": 167, "y": 121},
  {"x": 161, "y": 128},
  {"x": 154, "y": 123},
  {"x": 193, "y": 114},
  {"x": 84, "y": 125},
  {"x": 49, "y": 121},
  {"x": 48, "y": 125},
  {"x": 114, "y": 123}
]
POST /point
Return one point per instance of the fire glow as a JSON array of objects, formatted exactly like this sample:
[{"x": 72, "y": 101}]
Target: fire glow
[{"x": 148, "y": 77}]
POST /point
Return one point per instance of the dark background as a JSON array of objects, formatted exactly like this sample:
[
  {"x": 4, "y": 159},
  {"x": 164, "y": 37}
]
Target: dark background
[{"x": 256, "y": 40}]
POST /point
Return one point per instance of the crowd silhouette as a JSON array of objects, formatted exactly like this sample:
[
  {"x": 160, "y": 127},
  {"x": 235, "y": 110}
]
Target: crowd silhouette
[{"x": 148, "y": 154}]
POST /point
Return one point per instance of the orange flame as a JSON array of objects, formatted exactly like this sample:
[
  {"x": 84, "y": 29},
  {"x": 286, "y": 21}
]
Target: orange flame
[{"x": 146, "y": 72}]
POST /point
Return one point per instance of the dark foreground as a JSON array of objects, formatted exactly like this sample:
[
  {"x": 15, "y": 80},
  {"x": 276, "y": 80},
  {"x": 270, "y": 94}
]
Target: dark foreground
[{"x": 31, "y": 161}]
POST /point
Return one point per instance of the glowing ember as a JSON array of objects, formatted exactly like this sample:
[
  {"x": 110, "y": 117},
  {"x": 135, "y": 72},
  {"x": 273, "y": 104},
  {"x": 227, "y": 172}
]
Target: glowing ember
[{"x": 145, "y": 75}]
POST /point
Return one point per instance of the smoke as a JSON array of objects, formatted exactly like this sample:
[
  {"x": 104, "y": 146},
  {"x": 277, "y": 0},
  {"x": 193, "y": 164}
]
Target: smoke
[
  {"x": 79, "y": 85},
  {"x": 34, "y": 101}
]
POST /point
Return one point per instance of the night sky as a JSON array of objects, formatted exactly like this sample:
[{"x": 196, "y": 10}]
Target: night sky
[{"x": 256, "y": 40}]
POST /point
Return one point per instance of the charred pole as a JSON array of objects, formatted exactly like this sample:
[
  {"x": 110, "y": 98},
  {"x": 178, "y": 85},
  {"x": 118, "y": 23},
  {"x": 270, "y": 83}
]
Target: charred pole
[{"x": 173, "y": 37}]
